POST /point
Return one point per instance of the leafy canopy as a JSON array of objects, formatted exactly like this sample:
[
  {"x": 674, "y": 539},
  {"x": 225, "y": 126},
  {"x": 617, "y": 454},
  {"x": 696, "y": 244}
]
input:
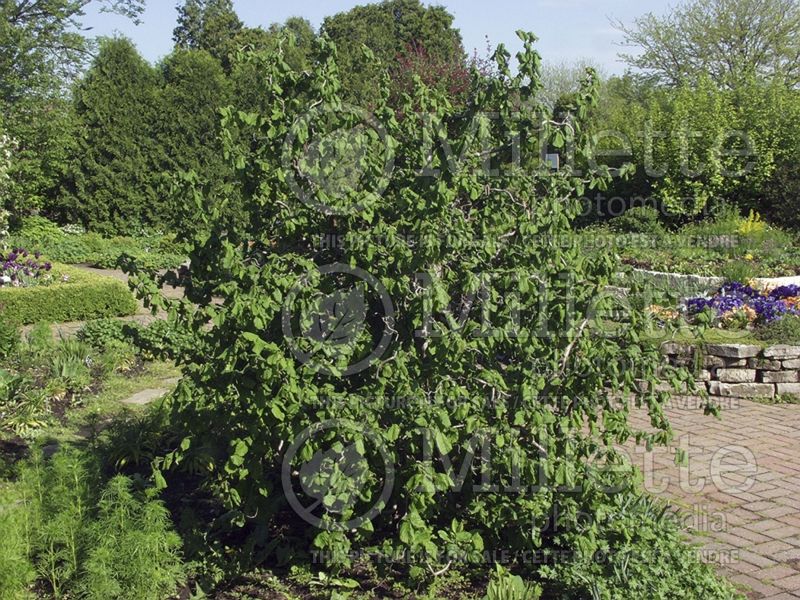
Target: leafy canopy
[
  {"x": 43, "y": 48},
  {"x": 113, "y": 180},
  {"x": 727, "y": 40},
  {"x": 193, "y": 87},
  {"x": 41, "y": 42},
  {"x": 210, "y": 25},
  {"x": 451, "y": 260},
  {"x": 391, "y": 29}
]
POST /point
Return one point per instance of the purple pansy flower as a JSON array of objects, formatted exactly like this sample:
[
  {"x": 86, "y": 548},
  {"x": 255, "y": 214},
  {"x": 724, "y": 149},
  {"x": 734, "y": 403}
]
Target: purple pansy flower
[{"x": 735, "y": 295}]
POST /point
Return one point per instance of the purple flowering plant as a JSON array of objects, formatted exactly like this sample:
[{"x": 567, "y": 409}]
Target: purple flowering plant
[
  {"x": 735, "y": 298},
  {"x": 785, "y": 291},
  {"x": 18, "y": 268}
]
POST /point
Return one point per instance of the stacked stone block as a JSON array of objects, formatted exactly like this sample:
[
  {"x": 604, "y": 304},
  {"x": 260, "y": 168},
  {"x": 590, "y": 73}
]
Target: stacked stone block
[{"x": 740, "y": 370}]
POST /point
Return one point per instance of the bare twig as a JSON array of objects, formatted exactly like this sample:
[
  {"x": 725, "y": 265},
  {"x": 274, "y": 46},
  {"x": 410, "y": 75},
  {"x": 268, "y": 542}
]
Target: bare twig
[
  {"x": 441, "y": 571},
  {"x": 571, "y": 345}
]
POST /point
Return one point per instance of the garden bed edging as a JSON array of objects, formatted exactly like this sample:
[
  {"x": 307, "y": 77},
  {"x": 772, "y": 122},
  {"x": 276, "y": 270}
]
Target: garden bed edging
[{"x": 691, "y": 284}]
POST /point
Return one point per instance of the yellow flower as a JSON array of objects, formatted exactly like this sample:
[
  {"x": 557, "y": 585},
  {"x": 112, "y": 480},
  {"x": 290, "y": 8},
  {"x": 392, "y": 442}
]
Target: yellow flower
[
  {"x": 752, "y": 224},
  {"x": 662, "y": 312},
  {"x": 748, "y": 256},
  {"x": 793, "y": 302},
  {"x": 746, "y": 312}
]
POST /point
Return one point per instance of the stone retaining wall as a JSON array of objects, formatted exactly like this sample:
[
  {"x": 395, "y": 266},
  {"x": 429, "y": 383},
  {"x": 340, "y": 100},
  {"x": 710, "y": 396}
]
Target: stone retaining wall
[
  {"x": 686, "y": 286},
  {"x": 681, "y": 280},
  {"x": 740, "y": 370}
]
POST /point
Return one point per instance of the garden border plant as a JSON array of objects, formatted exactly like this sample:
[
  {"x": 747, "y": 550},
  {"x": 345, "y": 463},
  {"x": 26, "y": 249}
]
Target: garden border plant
[
  {"x": 82, "y": 296},
  {"x": 727, "y": 244},
  {"x": 72, "y": 531},
  {"x": 71, "y": 244}
]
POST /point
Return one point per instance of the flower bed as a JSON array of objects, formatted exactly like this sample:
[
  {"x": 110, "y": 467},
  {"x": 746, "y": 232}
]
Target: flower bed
[
  {"x": 71, "y": 295},
  {"x": 19, "y": 269},
  {"x": 729, "y": 245},
  {"x": 73, "y": 245},
  {"x": 741, "y": 305}
]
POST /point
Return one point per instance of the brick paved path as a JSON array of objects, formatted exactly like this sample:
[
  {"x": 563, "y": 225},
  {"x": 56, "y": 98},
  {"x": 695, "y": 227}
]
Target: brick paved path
[{"x": 739, "y": 490}]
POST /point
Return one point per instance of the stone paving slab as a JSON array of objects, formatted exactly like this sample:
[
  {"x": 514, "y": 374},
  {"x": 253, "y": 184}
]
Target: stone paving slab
[
  {"x": 739, "y": 489},
  {"x": 150, "y": 394}
]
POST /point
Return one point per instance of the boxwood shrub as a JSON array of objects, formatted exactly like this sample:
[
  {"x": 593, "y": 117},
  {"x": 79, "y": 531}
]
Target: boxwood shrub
[{"x": 81, "y": 296}]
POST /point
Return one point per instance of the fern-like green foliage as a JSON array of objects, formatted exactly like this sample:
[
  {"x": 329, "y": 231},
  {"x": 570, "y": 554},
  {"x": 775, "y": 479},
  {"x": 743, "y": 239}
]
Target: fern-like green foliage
[
  {"x": 82, "y": 538},
  {"x": 16, "y": 568},
  {"x": 132, "y": 551}
]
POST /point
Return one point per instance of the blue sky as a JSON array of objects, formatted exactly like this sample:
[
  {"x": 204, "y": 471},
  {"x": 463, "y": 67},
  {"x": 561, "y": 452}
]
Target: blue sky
[{"x": 568, "y": 29}]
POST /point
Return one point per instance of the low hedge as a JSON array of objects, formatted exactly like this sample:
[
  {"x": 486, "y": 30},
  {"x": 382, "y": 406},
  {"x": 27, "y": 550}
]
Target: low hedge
[{"x": 81, "y": 296}]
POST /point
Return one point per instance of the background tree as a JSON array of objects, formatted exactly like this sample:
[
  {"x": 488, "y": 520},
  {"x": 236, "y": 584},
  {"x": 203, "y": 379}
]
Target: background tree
[
  {"x": 42, "y": 49},
  {"x": 114, "y": 175},
  {"x": 297, "y": 55},
  {"x": 41, "y": 43},
  {"x": 194, "y": 88},
  {"x": 771, "y": 114},
  {"x": 560, "y": 79},
  {"x": 699, "y": 145},
  {"x": 727, "y": 40},
  {"x": 43, "y": 144},
  {"x": 451, "y": 74},
  {"x": 210, "y": 25},
  {"x": 248, "y": 76},
  {"x": 5, "y": 161},
  {"x": 391, "y": 29}
]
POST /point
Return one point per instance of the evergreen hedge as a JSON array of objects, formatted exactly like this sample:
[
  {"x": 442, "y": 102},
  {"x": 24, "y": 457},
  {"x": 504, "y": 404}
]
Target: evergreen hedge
[{"x": 81, "y": 297}]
